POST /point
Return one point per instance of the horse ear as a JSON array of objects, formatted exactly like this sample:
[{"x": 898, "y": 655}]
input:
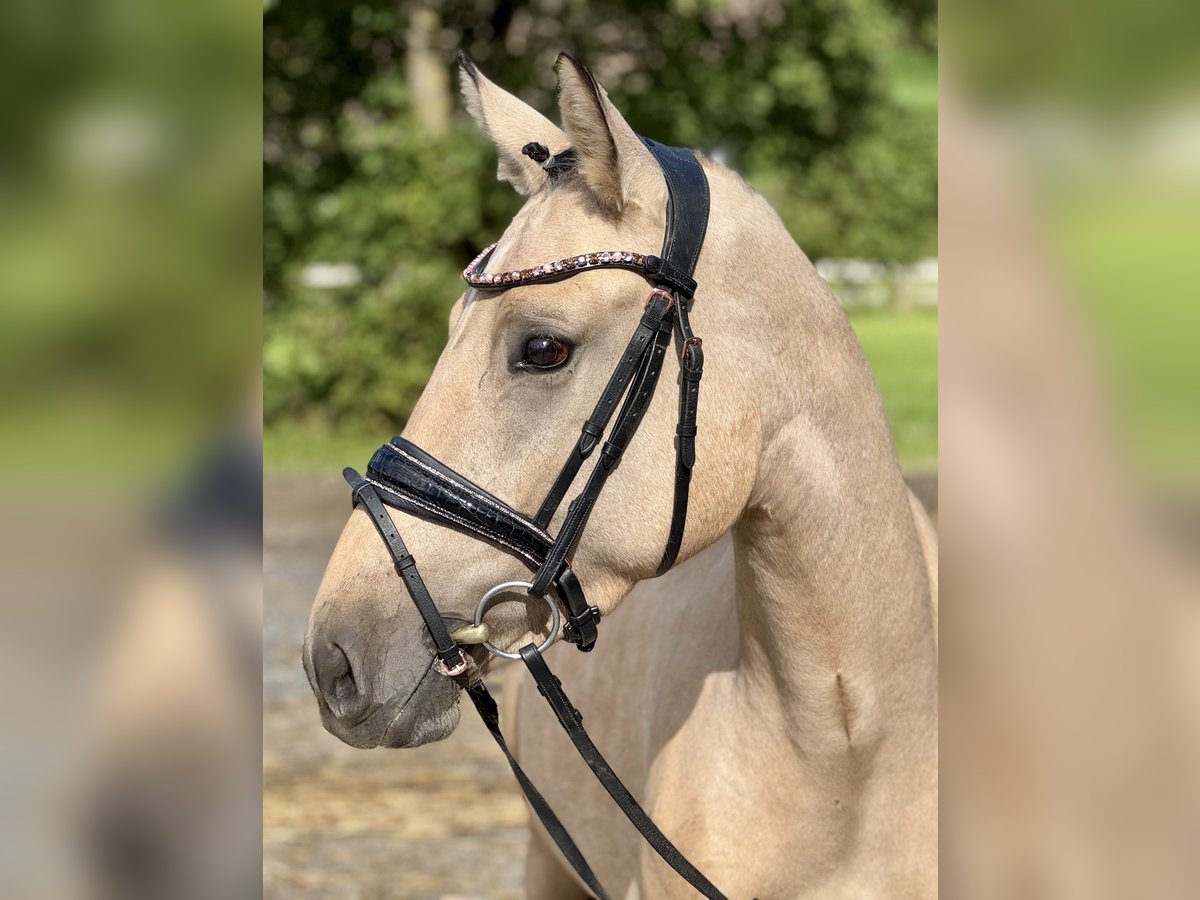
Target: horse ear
[
  {"x": 511, "y": 124},
  {"x": 612, "y": 159}
]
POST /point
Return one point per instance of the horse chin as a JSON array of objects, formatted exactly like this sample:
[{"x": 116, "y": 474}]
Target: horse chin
[
  {"x": 424, "y": 727},
  {"x": 431, "y": 714},
  {"x": 428, "y": 713}
]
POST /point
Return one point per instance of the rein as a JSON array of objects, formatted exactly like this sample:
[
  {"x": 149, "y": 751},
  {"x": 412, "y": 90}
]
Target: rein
[{"x": 403, "y": 476}]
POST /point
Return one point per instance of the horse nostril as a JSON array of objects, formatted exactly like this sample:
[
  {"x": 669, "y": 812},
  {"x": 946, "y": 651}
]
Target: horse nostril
[
  {"x": 344, "y": 689},
  {"x": 336, "y": 682}
]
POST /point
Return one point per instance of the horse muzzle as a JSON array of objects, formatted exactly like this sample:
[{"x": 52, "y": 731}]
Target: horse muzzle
[{"x": 368, "y": 698}]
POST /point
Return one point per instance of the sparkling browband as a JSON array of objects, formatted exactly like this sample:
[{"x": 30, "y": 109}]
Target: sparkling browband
[{"x": 645, "y": 265}]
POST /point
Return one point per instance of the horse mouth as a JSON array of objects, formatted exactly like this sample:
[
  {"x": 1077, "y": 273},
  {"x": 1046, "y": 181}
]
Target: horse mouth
[
  {"x": 429, "y": 714},
  {"x": 431, "y": 711}
]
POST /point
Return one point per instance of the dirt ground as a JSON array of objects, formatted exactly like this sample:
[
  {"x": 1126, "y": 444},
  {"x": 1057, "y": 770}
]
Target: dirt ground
[{"x": 443, "y": 821}]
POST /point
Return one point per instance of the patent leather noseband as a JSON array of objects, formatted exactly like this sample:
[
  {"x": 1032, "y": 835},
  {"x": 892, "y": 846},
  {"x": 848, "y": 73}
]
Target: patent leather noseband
[{"x": 403, "y": 476}]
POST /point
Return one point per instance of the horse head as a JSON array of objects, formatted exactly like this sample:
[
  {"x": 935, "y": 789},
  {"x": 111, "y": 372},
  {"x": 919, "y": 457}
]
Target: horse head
[{"x": 522, "y": 368}]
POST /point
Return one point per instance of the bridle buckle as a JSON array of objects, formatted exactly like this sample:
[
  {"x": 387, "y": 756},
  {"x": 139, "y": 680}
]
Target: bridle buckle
[
  {"x": 455, "y": 670},
  {"x": 660, "y": 292},
  {"x": 572, "y": 630},
  {"x": 693, "y": 341}
]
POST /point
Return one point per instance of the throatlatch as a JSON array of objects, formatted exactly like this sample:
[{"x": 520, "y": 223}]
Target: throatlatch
[{"x": 403, "y": 476}]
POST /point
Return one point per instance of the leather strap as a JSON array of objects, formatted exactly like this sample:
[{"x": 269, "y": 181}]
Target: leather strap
[
  {"x": 654, "y": 269},
  {"x": 427, "y": 488},
  {"x": 362, "y": 491},
  {"x": 687, "y": 224},
  {"x": 691, "y": 369},
  {"x": 572, "y": 722},
  {"x": 597, "y": 422},
  {"x": 490, "y": 714},
  {"x": 687, "y": 208},
  {"x": 409, "y": 479},
  {"x": 637, "y": 401}
]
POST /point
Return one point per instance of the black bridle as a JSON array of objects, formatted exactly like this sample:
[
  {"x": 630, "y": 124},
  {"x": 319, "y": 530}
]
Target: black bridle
[{"x": 403, "y": 476}]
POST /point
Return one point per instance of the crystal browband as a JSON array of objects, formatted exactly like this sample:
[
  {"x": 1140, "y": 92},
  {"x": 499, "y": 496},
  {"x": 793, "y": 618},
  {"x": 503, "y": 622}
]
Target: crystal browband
[{"x": 648, "y": 266}]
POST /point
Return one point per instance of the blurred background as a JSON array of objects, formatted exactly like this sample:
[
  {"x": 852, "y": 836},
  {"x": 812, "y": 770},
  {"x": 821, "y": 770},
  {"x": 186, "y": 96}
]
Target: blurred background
[
  {"x": 130, "y": 443},
  {"x": 136, "y": 287},
  {"x": 378, "y": 190},
  {"x": 1069, "y": 147}
]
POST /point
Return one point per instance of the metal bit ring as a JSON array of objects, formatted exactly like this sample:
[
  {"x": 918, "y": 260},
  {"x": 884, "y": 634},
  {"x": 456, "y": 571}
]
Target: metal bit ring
[{"x": 486, "y": 601}]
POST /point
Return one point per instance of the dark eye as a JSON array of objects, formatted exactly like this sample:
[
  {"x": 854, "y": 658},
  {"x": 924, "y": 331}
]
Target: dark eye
[{"x": 544, "y": 352}]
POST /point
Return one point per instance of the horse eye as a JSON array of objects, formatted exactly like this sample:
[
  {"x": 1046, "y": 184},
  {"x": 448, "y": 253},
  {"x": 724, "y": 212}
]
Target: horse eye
[{"x": 543, "y": 352}]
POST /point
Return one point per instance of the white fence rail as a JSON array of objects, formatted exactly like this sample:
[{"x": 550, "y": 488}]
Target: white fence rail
[
  {"x": 869, "y": 282},
  {"x": 857, "y": 282}
]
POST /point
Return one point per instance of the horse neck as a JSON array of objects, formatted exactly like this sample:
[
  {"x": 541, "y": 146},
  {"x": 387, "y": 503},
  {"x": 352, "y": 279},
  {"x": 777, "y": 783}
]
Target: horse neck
[{"x": 836, "y": 624}]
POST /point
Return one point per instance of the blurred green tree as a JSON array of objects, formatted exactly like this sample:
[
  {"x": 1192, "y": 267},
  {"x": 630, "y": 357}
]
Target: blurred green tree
[{"x": 365, "y": 164}]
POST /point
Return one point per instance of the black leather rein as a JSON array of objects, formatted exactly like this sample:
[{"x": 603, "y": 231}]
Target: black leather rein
[{"x": 403, "y": 476}]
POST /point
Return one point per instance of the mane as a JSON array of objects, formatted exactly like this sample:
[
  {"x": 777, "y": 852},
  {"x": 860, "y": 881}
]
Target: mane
[
  {"x": 556, "y": 165},
  {"x": 562, "y": 169}
]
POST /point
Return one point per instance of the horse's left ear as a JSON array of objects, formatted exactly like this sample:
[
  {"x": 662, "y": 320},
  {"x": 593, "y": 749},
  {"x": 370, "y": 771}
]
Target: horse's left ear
[
  {"x": 612, "y": 159},
  {"x": 511, "y": 123}
]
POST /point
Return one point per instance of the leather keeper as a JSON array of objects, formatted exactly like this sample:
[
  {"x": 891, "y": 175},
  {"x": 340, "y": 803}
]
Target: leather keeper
[{"x": 660, "y": 271}]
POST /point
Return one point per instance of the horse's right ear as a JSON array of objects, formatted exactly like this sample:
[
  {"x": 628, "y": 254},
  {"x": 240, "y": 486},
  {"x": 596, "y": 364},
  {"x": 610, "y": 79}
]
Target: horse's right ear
[
  {"x": 613, "y": 161},
  {"x": 511, "y": 124}
]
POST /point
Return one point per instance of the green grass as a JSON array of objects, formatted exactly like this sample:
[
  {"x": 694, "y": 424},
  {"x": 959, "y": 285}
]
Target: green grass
[
  {"x": 288, "y": 445},
  {"x": 1130, "y": 257},
  {"x": 901, "y": 347}
]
